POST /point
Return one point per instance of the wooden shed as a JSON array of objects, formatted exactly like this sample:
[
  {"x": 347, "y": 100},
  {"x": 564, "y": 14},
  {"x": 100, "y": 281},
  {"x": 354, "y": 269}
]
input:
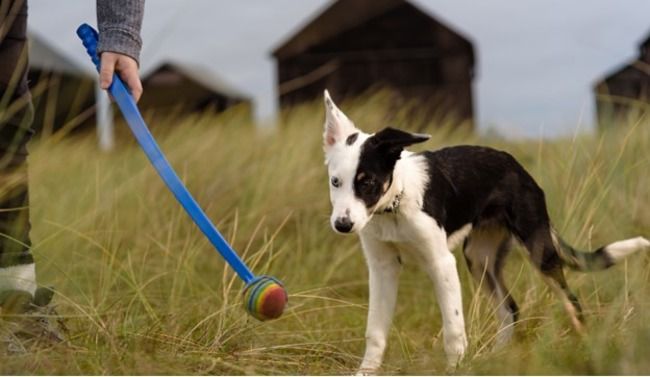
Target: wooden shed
[
  {"x": 357, "y": 45},
  {"x": 185, "y": 87},
  {"x": 63, "y": 90},
  {"x": 66, "y": 94},
  {"x": 624, "y": 95}
]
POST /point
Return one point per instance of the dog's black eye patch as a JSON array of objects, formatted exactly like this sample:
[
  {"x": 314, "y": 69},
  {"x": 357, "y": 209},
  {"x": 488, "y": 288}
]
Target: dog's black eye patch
[
  {"x": 375, "y": 170},
  {"x": 365, "y": 182},
  {"x": 368, "y": 188},
  {"x": 352, "y": 138}
]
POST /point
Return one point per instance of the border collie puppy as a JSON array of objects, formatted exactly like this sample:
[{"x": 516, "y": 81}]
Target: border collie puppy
[{"x": 429, "y": 203}]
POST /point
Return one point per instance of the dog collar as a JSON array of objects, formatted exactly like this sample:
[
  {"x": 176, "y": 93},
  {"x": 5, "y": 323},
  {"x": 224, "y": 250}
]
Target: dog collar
[{"x": 394, "y": 205}]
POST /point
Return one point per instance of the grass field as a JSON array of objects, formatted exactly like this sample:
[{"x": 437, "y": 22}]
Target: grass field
[{"x": 144, "y": 293}]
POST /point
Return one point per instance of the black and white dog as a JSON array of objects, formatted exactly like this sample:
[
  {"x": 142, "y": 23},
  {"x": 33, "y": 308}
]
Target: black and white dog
[{"x": 429, "y": 203}]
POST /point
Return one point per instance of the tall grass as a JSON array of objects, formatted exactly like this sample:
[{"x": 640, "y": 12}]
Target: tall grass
[{"x": 144, "y": 292}]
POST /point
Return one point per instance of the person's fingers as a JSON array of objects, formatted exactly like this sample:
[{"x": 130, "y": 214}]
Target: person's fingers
[
  {"x": 132, "y": 79},
  {"x": 126, "y": 67},
  {"x": 107, "y": 67}
]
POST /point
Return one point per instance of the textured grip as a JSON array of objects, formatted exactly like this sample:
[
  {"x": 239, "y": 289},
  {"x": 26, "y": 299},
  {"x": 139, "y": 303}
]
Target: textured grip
[{"x": 89, "y": 38}]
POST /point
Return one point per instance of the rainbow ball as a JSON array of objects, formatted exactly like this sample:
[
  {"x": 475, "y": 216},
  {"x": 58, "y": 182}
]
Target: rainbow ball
[{"x": 265, "y": 298}]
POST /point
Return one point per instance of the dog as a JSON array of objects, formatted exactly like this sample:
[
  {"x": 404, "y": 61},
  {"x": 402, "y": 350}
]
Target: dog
[{"x": 429, "y": 203}]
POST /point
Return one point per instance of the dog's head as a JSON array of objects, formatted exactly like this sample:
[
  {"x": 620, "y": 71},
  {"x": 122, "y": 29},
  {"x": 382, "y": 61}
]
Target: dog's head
[{"x": 360, "y": 167}]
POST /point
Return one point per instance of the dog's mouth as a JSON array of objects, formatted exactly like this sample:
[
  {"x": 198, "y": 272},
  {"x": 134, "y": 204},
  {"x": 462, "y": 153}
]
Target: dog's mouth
[{"x": 343, "y": 233}]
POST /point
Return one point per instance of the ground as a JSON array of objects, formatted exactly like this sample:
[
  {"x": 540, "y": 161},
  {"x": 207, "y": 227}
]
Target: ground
[{"x": 143, "y": 292}]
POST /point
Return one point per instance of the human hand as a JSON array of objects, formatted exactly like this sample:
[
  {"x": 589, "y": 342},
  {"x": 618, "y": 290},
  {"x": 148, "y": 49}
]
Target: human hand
[{"x": 125, "y": 66}]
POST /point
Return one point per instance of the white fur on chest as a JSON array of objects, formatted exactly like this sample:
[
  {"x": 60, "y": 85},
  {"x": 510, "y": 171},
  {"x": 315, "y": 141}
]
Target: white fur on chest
[
  {"x": 401, "y": 229},
  {"x": 410, "y": 179},
  {"x": 391, "y": 228},
  {"x": 411, "y": 223}
]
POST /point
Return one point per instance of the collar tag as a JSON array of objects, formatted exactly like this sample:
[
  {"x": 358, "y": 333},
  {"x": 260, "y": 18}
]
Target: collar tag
[{"x": 394, "y": 206}]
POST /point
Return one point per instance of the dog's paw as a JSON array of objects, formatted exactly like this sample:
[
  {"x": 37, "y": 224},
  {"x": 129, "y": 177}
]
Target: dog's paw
[{"x": 455, "y": 350}]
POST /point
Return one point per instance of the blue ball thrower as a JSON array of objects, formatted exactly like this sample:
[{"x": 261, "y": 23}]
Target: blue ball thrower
[{"x": 264, "y": 296}]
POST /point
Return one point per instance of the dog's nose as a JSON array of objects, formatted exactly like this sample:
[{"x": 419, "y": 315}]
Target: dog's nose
[{"x": 343, "y": 224}]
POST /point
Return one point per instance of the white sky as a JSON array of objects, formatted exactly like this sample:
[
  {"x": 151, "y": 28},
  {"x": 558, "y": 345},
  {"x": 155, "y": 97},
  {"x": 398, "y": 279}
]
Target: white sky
[{"x": 537, "y": 59}]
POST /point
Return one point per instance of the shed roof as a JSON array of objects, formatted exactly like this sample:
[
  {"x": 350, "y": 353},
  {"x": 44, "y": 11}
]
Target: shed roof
[
  {"x": 340, "y": 16},
  {"x": 646, "y": 41},
  {"x": 203, "y": 76},
  {"x": 631, "y": 67},
  {"x": 46, "y": 56}
]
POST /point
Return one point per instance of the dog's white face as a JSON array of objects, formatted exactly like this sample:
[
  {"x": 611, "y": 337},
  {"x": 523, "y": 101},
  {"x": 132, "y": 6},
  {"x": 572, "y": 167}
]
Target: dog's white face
[
  {"x": 360, "y": 167},
  {"x": 342, "y": 145}
]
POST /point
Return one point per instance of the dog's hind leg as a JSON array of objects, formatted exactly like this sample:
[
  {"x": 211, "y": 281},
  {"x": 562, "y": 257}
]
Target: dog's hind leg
[
  {"x": 544, "y": 255},
  {"x": 485, "y": 251},
  {"x": 383, "y": 267}
]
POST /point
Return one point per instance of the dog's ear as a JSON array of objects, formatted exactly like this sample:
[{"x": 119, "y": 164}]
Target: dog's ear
[
  {"x": 337, "y": 125},
  {"x": 393, "y": 138},
  {"x": 391, "y": 141}
]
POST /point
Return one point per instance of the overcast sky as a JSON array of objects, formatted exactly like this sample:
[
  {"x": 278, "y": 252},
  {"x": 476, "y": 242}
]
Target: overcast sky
[{"x": 537, "y": 59}]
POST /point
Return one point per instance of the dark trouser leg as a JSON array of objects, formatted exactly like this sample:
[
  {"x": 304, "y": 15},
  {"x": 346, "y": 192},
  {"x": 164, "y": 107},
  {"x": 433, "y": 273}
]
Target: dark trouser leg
[{"x": 16, "y": 113}]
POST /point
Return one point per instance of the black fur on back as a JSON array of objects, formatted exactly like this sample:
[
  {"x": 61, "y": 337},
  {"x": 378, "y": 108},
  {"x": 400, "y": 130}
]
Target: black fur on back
[
  {"x": 472, "y": 184},
  {"x": 479, "y": 185}
]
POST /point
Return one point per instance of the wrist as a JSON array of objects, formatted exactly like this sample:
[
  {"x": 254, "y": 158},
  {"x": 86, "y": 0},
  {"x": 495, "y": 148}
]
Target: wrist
[{"x": 120, "y": 41}]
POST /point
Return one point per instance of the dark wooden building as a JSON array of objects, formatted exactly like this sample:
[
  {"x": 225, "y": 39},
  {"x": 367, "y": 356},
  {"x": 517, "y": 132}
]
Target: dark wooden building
[
  {"x": 174, "y": 87},
  {"x": 624, "y": 95},
  {"x": 357, "y": 45},
  {"x": 63, "y": 90},
  {"x": 66, "y": 94}
]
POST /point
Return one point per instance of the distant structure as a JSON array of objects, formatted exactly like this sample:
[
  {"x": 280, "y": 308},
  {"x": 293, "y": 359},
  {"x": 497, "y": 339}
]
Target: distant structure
[
  {"x": 624, "y": 95},
  {"x": 66, "y": 91},
  {"x": 356, "y": 45},
  {"x": 175, "y": 86},
  {"x": 63, "y": 88}
]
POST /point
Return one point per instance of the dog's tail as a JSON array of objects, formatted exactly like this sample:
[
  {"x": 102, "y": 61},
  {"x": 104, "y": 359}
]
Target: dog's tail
[{"x": 604, "y": 257}]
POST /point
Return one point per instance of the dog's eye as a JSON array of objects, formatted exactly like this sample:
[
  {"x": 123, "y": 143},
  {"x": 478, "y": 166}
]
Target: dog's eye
[
  {"x": 336, "y": 182},
  {"x": 367, "y": 183}
]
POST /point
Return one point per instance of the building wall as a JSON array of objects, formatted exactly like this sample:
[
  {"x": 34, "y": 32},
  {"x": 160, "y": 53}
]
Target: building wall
[
  {"x": 404, "y": 50},
  {"x": 169, "y": 91},
  {"x": 61, "y": 100},
  {"x": 623, "y": 97}
]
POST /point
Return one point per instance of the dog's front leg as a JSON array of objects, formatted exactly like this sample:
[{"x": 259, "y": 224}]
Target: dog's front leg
[
  {"x": 440, "y": 265},
  {"x": 383, "y": 267}
]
